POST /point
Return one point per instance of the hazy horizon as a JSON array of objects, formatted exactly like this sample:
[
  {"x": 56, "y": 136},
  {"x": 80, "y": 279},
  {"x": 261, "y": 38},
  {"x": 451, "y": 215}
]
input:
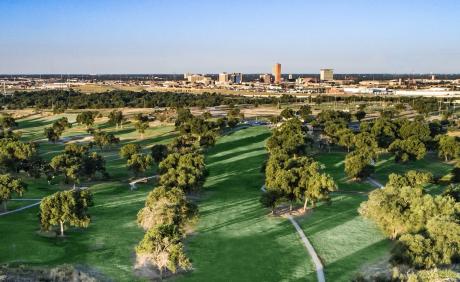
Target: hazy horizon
[{"x": 174, "y": 37}]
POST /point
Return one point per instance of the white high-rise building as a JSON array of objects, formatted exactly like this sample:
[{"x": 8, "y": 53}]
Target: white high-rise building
[{"x": 326, "y": 74}]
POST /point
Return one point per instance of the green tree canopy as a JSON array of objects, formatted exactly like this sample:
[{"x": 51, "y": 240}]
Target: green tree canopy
[
  {"x": 10, "y": 185},
  {"x": 66, "y": 208},
  {"x": 162, "y": 246},
  {"x": 408, "y": 149},
  {"x": 166, "y": 206},
  {"x": 87, "y": 118}
]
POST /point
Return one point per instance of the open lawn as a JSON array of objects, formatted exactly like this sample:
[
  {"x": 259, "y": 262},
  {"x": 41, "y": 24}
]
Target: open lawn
[
  {"x": 344, "y": 241},
  {"x": 107, "y": 246},
  {"x": 235, "y": 240}
]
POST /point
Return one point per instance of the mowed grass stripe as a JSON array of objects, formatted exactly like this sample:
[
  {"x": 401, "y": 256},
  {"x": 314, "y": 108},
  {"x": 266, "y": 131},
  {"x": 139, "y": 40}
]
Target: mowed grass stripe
[
  {"x": 235, "y": 240},
  {"x": 344, "y": 240}
]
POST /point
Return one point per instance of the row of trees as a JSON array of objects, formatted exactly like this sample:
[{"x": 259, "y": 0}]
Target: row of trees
[
  {"x": 69, "y": 99},
  {"x": 167, "y": 209},
  {"x": 426, "y": 227},
  {"x": 407, "y": 139},
  {"x": 290, "y": 174}
]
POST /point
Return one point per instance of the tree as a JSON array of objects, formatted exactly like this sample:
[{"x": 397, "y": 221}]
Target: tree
[
  {"x": 412, "y": 178},
  {"x": 76, "y": 162},
  {"x": 8, "y": 186},
  {"x": 183, "y": 116},
  {"x": 162, "y": 246},
  {"x": 358, "y": 165},
  {"x": 270, "y": 199},
  {"x": 346, "y": 138},
  {"x": 66, "y": 208},
  {"x": 438, "y": 246},
  {"x": 452, "y": 191},
  {"x": 104, "y": 139},
  {"x": 54, "y": 133},
  {"x": 297, "y": 178},
  {"x": 234, "y": 115},
  {"x": 7, "y": 122},
  {"x": 141, "y": 126},
  {"x": 139, "y": 163},
  {"x": 129, "y": 150},
  {"x": 333, "y": 127},
  {"x": 51, "y": 134},
  {"x": 418, "y": 129},
  {"x": 316, "y": 186},
  {"x": 166, "y": 206},
  {"x": 366, "y": 144},
  {"x": 207, "y": 115},
  {"x": 448, "y": 147},
  {"x": 408, "y": 149},
  {"x": 184, "y": 171},
  {"x": 289, "y": 138},
  {"x": 116, "y": 118},
  {"x": 399, "y": 208},
  {"x": 384, "y": 130},
  {"x": 14, "y": 154},
  {"x": 287, "y": 113},
  {"x": 360, "y": 115},
  {"x": 159, "y": 152},
  {"x": 87, "y": 118},
  {"x": 304, "y": 112}
]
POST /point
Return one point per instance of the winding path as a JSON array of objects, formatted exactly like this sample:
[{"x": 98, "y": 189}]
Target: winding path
[
  {"x": 133, "y": 183},
  {"x": 311, "y": 251},
  {"x": 20, "y": 209},
  {"x": 318, "y": 264},
  {"x": 375, "y": 183}
]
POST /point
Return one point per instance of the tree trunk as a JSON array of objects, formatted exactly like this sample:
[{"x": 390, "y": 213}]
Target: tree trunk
[
  {"x": 446, "y": 158},
  {"x": 62, "y": 228},
  {"x": 305, "y": 204},
  {"x": 4, "y": 208}
]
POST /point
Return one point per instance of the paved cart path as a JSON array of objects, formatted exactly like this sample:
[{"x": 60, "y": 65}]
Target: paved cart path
[{"x": 318, "y": 264}]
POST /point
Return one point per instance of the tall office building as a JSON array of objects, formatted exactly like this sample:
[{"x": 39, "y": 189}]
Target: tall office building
[
  {"x": 232, "y": 78},
  {"x": 326, "y": 74},
  {"x": 277, "y": 72},
  {"x": 236, "y": 78},
  {"x": 223, "y": 77}
]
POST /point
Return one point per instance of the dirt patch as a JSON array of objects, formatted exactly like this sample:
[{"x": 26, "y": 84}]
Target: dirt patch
[
  {"x": 77, "y": 138},
  {"x": 63, "y": 273}
]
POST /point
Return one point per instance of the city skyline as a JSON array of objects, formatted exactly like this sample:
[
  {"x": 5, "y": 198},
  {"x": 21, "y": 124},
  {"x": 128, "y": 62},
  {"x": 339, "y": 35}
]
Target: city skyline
[{"x": 111, "y": 37}]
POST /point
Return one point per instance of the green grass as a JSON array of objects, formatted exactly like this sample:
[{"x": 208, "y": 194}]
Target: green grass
[
  {"x": 235, "y": 240},
  {"x": 344, "y": 241},
  {"x": 107, "y": 246}
]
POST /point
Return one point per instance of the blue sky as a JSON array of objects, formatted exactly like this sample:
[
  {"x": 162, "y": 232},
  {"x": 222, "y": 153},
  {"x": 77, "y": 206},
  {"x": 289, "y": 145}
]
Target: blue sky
[{"x": 179, "y": 36}]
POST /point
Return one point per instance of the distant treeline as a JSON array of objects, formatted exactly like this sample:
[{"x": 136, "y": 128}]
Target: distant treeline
[{"x": 69, "y": 99}]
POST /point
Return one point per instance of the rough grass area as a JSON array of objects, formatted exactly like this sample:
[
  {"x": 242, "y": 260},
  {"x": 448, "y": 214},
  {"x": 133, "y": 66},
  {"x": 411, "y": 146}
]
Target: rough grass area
[{"x": 235, "y": 240}]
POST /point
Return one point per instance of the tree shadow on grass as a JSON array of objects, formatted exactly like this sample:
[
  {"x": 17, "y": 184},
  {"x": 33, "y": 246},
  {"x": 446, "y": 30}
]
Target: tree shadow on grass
[
  {"x": 229, "y": 145},
  {"x": 346, "y": 268},
  {"x": 271, "y": 253},
  {"x": 325, "y": 217}
]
